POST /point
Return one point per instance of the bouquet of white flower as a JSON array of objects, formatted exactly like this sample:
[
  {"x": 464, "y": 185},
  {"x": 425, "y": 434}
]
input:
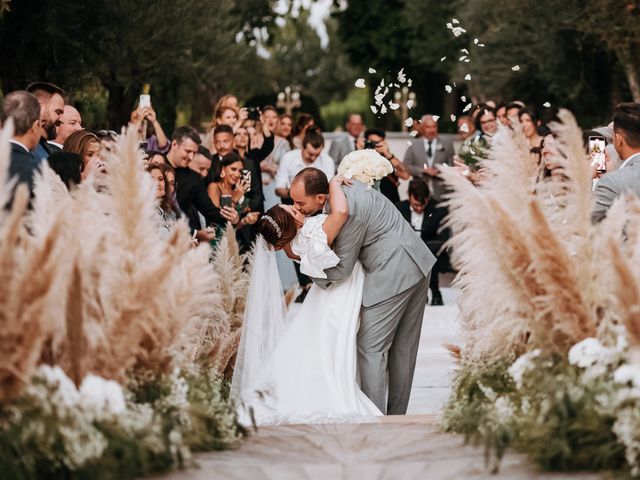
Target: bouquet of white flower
[{"x": 367, "y": 166}]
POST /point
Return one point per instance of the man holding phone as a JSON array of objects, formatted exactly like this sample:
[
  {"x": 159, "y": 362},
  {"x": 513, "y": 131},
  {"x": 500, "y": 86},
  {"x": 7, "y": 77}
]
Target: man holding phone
[
  {"x": 626, "y": 140},
  {"x": 191, "y": 189}
]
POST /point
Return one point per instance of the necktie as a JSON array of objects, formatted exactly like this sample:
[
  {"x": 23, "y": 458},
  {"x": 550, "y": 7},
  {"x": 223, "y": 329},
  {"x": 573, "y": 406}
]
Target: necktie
[{"x": 429, "y": 151}]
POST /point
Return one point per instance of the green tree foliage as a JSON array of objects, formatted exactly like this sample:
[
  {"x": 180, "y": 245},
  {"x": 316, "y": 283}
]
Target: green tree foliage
[{"x": 185, "y": 48}]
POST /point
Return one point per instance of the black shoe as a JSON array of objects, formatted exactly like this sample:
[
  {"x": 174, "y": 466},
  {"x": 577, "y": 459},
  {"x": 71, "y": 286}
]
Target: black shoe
[
  {"x": 302, "y": 295},
  {"x": 436, "y": 299}
]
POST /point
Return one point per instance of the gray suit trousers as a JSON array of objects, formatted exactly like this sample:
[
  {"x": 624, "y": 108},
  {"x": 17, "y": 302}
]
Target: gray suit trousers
[{"x": 388, "y": 341}]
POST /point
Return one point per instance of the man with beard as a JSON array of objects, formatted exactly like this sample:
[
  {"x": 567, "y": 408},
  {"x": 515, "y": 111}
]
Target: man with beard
[{"x": 50, "y": 98}]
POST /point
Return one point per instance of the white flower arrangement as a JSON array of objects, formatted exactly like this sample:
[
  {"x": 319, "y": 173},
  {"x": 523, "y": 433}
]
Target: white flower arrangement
[
  {"x": 522, "y": 365},
  {"x": 367, "y": 166}
]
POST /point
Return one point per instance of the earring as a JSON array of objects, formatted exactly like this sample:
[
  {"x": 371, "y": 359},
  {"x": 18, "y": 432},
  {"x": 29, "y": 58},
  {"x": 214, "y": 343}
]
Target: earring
[{"x": 222, "y": 175}]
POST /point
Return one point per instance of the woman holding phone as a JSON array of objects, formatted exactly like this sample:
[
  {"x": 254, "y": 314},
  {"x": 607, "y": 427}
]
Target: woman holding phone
[{"x": 232, "y": 188}]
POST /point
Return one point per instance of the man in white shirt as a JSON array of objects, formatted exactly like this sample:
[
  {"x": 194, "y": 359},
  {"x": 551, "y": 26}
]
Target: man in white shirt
[
  {"x": 626, "y": 140},
  {"x": 311, "y": 155}
]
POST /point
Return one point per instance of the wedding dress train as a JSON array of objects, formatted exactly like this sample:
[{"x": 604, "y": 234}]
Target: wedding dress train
[{"x": 303, "y": 372}]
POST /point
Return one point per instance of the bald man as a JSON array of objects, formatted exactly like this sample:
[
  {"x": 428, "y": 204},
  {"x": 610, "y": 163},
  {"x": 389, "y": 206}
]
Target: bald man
[{"x": 70, "y": 121}]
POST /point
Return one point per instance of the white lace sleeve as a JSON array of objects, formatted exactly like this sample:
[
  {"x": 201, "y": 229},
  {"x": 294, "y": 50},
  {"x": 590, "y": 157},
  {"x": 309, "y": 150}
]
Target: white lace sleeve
[{"x": 311, "y": 246}]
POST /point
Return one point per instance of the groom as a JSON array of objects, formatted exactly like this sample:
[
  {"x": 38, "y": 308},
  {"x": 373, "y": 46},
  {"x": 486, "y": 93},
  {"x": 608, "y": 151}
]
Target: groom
[{"x": 397, "y": 266}]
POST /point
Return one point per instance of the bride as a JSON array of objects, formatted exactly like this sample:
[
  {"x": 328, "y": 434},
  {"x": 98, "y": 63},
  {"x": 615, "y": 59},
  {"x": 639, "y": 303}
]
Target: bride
[{"x": 304, "y": 371}]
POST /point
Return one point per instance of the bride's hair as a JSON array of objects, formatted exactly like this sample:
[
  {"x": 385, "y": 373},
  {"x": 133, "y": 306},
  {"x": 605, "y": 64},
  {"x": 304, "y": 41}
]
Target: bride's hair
[{"x": 277, "y": 227}]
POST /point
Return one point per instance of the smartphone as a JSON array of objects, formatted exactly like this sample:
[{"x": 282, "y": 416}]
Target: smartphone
[
  {"x": 596, "y": 153},
  {"x": 225, "y": 201},
  {"x": 246, "y": 175},
  {"x": 145, "y": 101}
]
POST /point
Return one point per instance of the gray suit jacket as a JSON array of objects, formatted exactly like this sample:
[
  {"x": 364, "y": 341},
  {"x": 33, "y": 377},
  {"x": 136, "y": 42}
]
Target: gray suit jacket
[
  {"x": 416, "y": 156},
  {"x": 393, "y": 256},
  {"x": 614, "y": 184},
  {"x": 340, "y": 147}
]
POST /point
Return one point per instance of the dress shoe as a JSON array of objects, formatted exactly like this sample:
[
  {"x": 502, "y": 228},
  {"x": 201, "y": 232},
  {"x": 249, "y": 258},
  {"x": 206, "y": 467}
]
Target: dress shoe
[{"x": 436, "y": 299}]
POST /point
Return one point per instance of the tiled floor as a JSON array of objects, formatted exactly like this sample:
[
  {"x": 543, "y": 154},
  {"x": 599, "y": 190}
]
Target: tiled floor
[{"x": 398, "y": 448}]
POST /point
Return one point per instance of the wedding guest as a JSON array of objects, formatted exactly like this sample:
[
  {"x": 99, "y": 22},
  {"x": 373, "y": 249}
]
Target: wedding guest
[
  {"x": 51, "y": 100},
  {"x": 285, "y": 129},
  {"x": 485, "y": 123},
  {"x": 226, "y": 116},
  {"x": 512, "y": 110},
  {"x": 191, "y": 189},
  {"x": 107, "y": 141},
  {"x": 376, "y": 138},
  {"x": 530, "y": 123},
  {"x": 227, "y": 101},
  {"x": 167, "y": 215},
  {"x": 68, "y": 166},
  {"x": 626, "y": 140},
  {"x": 87, "y": 145},
  {"x": 201, "y": 163},
  {"x": 70, "y": 121},
  {"x": 223, "y": 140},
  {"x": 157, "y": 158},
  {"x": 501, "y": 114},
  {"x": 466, "y": 127},
  {"x": 24, "y": 109},
  {"x": 425, "y": 154},
  {"x": 153, "y": 135},
  {"x": 304, "y": 121},
  {"x": 348, "y": 142},
  {"x": 230, "y": 182},
  {"x": 426, "y": 217}
]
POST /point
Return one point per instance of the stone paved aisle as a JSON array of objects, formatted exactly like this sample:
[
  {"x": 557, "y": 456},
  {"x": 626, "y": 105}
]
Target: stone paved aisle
[{"x": 395, "y": 448}]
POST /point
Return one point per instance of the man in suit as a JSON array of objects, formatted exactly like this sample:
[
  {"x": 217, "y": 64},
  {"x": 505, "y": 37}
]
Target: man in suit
[
  {"x": 24, "y": 109},
  {"x": 51, "y": 99},
  {"x": 70, "y": 121},
  {"x": 348, "y": 142},
  {"x": 426, "y": 153},
  {"x": 397, "y": 265},
  {"x": 191, "y": 189},
  {"x": 626, "y": 140},
  {"x": 425, "y": 217}
]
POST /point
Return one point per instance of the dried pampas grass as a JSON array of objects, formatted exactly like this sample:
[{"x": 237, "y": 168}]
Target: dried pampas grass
[
  {"x": 533, "y": 269},
  {"x": 87, "y": 283}
]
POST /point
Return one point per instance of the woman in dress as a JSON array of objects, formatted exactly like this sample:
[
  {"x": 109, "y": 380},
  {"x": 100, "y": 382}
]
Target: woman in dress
[{"x": 307, "y": 372}]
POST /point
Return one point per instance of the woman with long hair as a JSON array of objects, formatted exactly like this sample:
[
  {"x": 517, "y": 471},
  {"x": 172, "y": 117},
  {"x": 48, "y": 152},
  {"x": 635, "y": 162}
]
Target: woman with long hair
[
  {"x": 87, "y": 145},
  {"x": 167, "y": 213}
]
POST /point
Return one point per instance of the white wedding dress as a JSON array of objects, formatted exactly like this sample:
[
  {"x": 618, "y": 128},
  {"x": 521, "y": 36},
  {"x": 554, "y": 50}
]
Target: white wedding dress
[{"x": 305, "y": 371}]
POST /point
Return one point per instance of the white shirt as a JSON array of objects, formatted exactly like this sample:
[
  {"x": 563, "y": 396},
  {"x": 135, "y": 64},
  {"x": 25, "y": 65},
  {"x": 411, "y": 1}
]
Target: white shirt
[
  {"x": 434, "y": 146},
  {"x": 416, "y": 221},
  {"x": 291, "y": 163},
  {"x": 624, "y": 164}
]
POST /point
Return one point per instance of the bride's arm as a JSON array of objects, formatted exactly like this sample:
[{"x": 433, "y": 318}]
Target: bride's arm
[{"x": 339, "y": 208}]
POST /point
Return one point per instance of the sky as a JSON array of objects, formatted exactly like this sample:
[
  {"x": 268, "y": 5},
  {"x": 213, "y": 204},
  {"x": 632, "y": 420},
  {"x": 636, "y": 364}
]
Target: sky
[{"x": 319, "y": 11}]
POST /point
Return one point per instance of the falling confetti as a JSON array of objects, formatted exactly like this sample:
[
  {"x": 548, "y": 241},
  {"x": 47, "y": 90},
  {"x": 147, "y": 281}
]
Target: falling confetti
[
  {"x": 443, "y": 59},
  {"x": 457, "y": 31},
  {"x": 453, "y": 117},
  {"x": 383, "y": 109},
  {"x": 475, "y": 41},
  {"x": 467, "y": 60},
  {"x": 394, "y": 106},
  {"x": 402, "y": 77},
  {"x": 435, "y": 117},
  {"x": 410, "y": 103},
  {"x": 409, "y": 82},
  {"x": 481, "y": 44},
  {"x": 467, "y": 76},
  {"x": 372, "y": 70},
  {"x": 448, "y": 88},
  {"x": 546, "y": 104},
  {"x": 515, "y": 68},
  {"x": 373, "y": 109},
  {"x": 463, "y": 98},
  {"x": 414, "y": 133},
  {"x": 464, "y": 50},
  {"x": 360, "y": 83},
  {"x": 467, "y": 108},
  {"x": 408, "y": 142},
  {"x": 408, "y": 122},
  {"x": 455, "y": 21},
  {"x": 464, "y": 128},
  {"x": 462, "y": 58}
]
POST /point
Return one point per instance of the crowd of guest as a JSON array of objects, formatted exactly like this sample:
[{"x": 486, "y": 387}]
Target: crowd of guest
[{"x": 245, "y": 162}]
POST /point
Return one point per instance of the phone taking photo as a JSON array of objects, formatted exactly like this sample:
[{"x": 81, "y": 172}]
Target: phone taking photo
[
  {"x": 226, "y": 201},
  {"x": 145, "y": 101},
  {"x": 596, "y": 153}
]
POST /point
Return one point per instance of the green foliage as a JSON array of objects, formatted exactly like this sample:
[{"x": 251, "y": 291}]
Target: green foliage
[{"x": 554, "y": 416}]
